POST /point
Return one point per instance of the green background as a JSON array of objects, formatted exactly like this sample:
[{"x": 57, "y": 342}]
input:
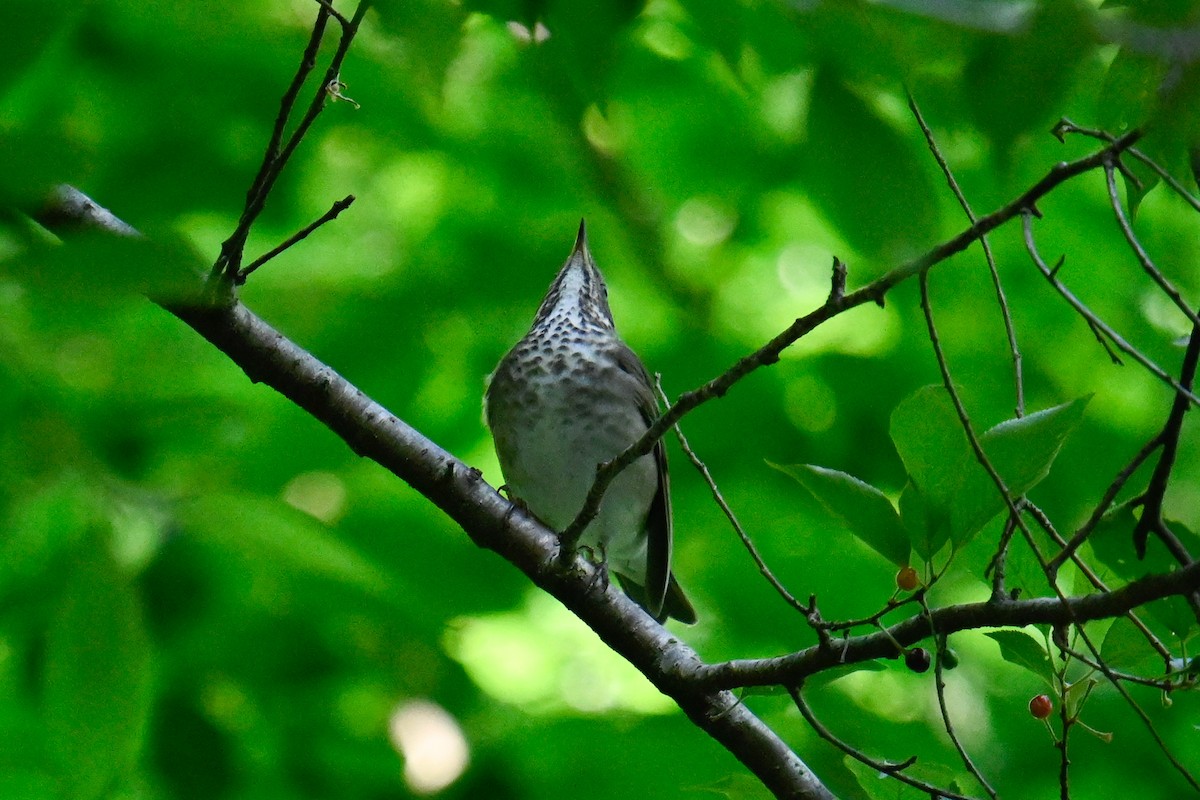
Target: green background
[{"x": 205, "y": 594}]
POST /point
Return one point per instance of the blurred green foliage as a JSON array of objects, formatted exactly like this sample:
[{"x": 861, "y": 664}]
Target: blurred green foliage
[{"x": 204, "y": 594}]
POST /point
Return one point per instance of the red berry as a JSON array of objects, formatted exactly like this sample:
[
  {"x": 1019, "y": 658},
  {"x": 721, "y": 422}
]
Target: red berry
[
  {"x": 1041, "y": 706},
  {"x": 907, "y": 579}
]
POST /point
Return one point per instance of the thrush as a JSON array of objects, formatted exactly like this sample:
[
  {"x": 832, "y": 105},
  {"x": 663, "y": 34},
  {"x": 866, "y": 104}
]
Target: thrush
[{"x": 569, "y": 396}]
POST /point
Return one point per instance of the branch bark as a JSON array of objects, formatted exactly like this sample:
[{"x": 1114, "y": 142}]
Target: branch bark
[
  {"x": 371, "y": 431},
  {"x": 792, "y": 669},
  {"x": 839, "y": 302},
  {"x": 701, "y": 690},
  {"x": 267, "y": 356}
]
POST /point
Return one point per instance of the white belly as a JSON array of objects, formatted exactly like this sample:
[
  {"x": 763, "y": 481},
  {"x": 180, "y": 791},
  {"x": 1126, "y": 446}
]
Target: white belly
[{"x": 568, "y": 426}]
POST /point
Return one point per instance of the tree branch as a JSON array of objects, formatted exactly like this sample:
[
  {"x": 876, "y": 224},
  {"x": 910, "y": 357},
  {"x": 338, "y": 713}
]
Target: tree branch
[
  {"x": 337, "y": 208},
  {"x": 792, "y": 669},
  {"x": 1152, "y": 500},
  {"x": 267, "y": 356},
  {"x": 838, "y": 302},
  {"x": 279, "y": 152},
  {"x": 1098, "y": 325}
]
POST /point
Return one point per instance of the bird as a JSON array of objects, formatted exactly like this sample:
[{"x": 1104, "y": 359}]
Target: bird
[{"x": 567, "y": 397}]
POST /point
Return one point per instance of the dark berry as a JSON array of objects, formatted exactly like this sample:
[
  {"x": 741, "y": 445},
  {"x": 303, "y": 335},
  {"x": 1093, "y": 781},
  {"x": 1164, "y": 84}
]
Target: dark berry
[
  {"x": 917, "y": 659},
  {"x": 907, "y": 579}
]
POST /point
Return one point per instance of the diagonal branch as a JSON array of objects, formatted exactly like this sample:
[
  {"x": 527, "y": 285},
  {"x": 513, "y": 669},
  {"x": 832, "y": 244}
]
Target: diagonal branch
[
  {"x": 838, "y": 302},
  {"x": 1097, "y": 324},
  {"x": 1010, "y": 333},
  {"x": 1152, "y": 500},
  {"x": 329, "y": 216},
  {"x": 267, "y": 356},
  {"x": 278, "y": 151},
  {"x": 372, "y": 432},
  {"x": 1147, "y": 264}
]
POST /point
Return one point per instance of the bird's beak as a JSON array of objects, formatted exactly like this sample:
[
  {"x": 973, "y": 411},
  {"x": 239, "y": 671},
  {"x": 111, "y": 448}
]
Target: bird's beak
[{"x": 581, "y": 246}]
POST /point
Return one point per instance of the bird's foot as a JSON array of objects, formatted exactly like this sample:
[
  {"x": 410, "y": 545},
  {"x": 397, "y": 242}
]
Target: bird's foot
[
  {"x": 507, "y": 491},
  {"x": 515, "y": 503},
  {"x": 599, "y": 560}
]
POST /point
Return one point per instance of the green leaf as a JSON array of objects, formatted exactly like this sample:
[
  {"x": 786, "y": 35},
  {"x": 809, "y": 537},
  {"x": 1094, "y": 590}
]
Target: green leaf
[
  {"x": 1017, "y": 647},
  {"x": 1125, "y": 648},
  {"x": 268, "y": 532},
  {"x": 1023, "y": 573},
  {"x": 929, "y": 439},
  {"x": 957, "y": 494},
  {"x": 866, "y": 511},
  {"x": 1112, "y": 544},
  {"x": 864, "y": 175},
  {"x": 97, "y": 677},
  {"x": 926, "y": 525},
  {"x": 1078, "y": 693},
  {"x": 1022, "y": 451},
  {"x": 1130, "y": 96}
]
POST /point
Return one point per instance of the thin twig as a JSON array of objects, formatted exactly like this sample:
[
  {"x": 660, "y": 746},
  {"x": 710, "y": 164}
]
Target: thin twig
[
  {"x": 278, "y": 152},
  {"x": 1066, "y": 723},
  {"x": 834, "y": 305},
  {"x": 1156, "y": 490},
  {"x": 873, "y": 620},
  {"x": 1096, "y": 322},
  {"x": 939, "y": 683},
  {"x": 1010, "y": 332},
  {"x": 1147, "y": 264},
  {"x": 961, "y": 411},
  {"x": 333, "y": 12},
  {"x": 997, "y": 565},
  {"x": 893, "y": 770},
  {"x": 702, "y": 468},
  {"x": 337, "y": 208},
  {"x": 1066, "y": 126},
  {"x": 231, "y": 252},
  {"x": 1162, "y": 684}
]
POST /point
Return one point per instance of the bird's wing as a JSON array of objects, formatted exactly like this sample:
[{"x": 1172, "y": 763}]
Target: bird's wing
[{"x": 658, "y": 520}]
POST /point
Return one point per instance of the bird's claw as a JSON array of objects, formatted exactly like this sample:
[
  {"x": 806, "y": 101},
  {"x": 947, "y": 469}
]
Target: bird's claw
[
  {"x": 600, "y": 561},
  {"x": 507, "y": 491}
]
